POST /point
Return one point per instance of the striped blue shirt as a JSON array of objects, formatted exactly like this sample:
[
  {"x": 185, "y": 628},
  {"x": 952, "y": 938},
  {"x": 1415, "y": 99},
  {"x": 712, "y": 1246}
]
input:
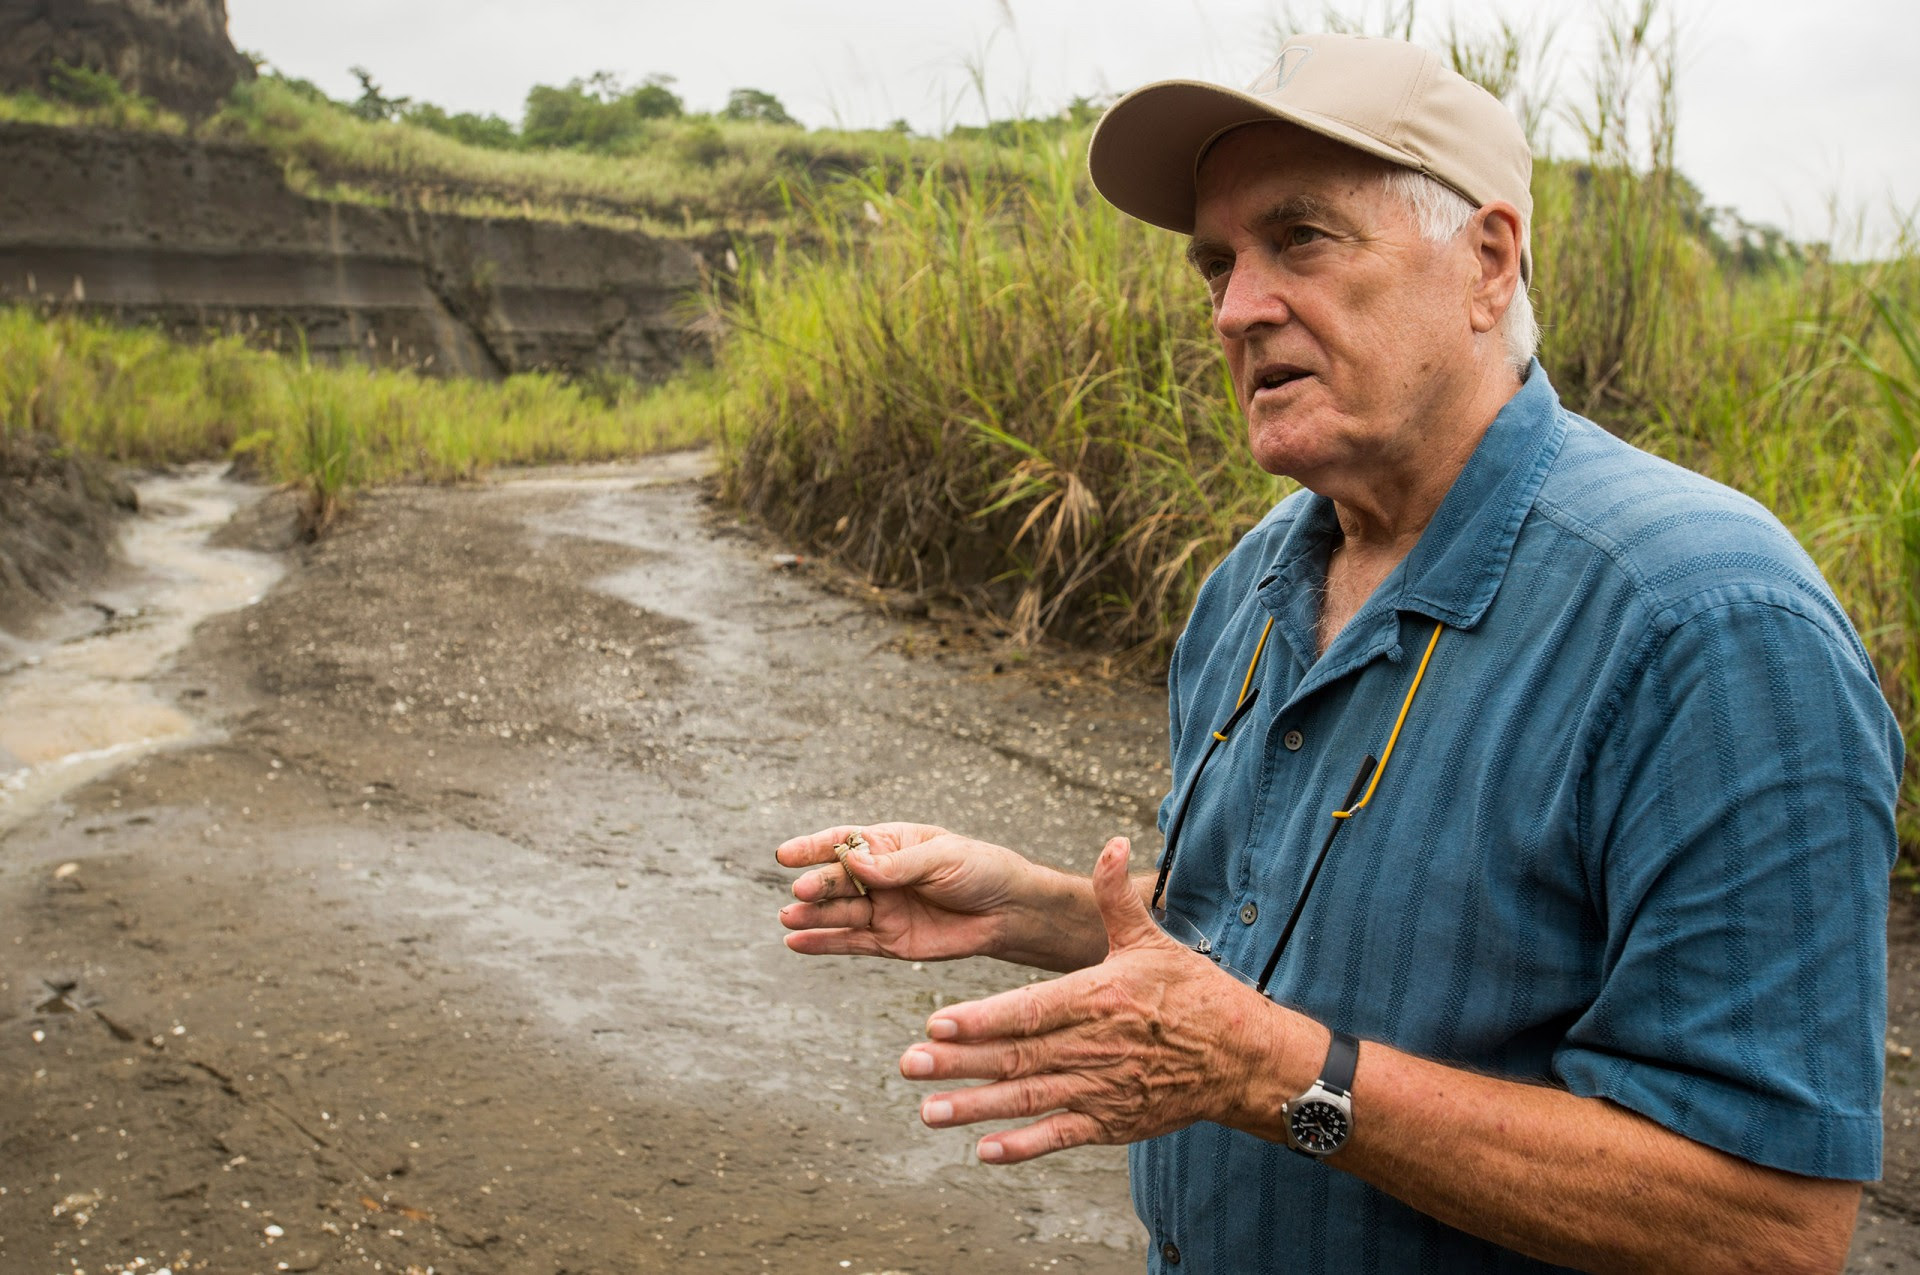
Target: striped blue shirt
[{"x": 1633, "y": 841}]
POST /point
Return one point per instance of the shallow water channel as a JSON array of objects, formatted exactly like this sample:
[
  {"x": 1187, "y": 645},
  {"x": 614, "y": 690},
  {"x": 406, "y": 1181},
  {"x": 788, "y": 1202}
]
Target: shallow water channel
[{"x": 72, "y": 709}]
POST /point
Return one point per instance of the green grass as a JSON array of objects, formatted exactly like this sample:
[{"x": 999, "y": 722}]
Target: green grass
[
  {"x": 132, "y": 113},
  {"x": 138, "y": 397},
  {"x": 684, "y": 176},
  {"x": 677, "y": 175}
]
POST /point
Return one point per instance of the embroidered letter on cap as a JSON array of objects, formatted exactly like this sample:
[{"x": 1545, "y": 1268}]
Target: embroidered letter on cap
[{"x": 1281, "y": 72}]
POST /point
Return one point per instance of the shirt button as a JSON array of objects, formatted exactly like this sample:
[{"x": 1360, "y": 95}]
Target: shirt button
[
  {"x": 1170, "y": 1253},
  {"x": 1249, "y": 914},
  {"x": 1293, "y": 739}
]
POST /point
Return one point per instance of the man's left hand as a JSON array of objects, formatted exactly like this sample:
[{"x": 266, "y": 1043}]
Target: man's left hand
[{"x": 1150, "y": 1040}]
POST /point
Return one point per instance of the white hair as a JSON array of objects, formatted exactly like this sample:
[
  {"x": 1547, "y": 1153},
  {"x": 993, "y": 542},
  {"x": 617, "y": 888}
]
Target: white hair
[{"x": 1441, "y": 214}]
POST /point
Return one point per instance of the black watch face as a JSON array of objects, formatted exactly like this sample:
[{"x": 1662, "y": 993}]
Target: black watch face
[{"x": 1319, "y": 1127}]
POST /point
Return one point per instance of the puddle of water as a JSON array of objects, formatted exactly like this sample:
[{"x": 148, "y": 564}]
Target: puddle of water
[
  {"x": 670, "y": 580},
  {"x": 72, "y": 711}
]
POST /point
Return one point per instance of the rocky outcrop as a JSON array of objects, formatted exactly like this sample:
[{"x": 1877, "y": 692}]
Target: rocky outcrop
[
  {"x": 174, "y": 51},
  {"x": 197, "y": 235}
]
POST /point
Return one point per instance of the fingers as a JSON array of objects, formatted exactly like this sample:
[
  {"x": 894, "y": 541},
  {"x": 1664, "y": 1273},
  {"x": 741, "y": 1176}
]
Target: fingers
[
  {"x": 1024, "y": 1011},
  {"x": 823, "y": 884},
  {"x": 885, "y": 838},
  {"x": 849, "y": 913},
  {"x": 1013, "y": 1100},
  {"x": 1043, "y": 1137},
  {"x": 1059, "y": 1052},
  {"x": 999, "y": 1060},
  {"x": 815, "y": 847},
  {"x": 1007, "y": 1100},
  {"x": 1016, "y": 1101},
  {"x": 1128, "y": 922},
  {"x": 835, "y": 943},
  {"x": 881, "y": 868}
]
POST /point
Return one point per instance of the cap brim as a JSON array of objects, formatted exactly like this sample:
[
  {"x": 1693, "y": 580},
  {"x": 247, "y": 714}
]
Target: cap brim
[{"x": 1147, "y": 148}]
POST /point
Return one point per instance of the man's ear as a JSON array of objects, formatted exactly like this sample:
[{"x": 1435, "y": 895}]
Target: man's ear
[{"x": 1497, "y": 244}]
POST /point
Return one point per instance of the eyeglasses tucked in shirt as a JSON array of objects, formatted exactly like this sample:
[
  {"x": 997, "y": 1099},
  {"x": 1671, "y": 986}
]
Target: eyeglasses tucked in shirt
[{"x": 1359, "y": 794}]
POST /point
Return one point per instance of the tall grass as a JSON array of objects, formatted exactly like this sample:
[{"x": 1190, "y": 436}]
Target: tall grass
[
  {"x": 1006, "y": 391},
  {"x": 136, "y": 396},
  {"x": 992, "y": 389}
]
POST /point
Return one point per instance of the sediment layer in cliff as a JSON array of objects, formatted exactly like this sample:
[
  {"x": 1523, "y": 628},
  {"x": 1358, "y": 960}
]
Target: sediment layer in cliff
[{"x": 198, "y": 235}]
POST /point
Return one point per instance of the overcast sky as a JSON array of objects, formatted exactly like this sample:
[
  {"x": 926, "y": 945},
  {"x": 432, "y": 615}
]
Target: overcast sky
[{"x": 1786, "y": 108}]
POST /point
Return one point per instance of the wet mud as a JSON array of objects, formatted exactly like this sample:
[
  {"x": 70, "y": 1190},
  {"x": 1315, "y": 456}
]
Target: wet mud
[
  {"x": 447, "y": 940},
  {"x": 59, "y": 514},
  {"x": 443, "y": 938},
  {"x": 78, "y": 699}
]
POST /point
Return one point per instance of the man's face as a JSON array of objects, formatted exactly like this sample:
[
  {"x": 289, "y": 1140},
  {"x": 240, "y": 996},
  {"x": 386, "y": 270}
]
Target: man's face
[{"x": 1342, "y": 327}]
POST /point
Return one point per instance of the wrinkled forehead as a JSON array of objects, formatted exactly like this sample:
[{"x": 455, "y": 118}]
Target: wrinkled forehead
[
  {"x": 1273, "y": 150},
  {"x": 1270, "y": 162}
]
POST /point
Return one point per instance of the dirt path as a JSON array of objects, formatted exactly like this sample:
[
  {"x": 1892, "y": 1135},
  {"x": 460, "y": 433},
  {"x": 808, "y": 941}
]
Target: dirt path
[
  {"x": 455, "y": 950},
  {"x": 458, "y": 951}
]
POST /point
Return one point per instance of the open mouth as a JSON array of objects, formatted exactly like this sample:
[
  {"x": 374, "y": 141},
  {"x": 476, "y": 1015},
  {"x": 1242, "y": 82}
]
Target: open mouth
[{"x": 1274, "y": 378}]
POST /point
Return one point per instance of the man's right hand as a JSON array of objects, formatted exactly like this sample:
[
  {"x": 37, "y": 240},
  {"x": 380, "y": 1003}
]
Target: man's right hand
[{"x": 936, "y": 896}]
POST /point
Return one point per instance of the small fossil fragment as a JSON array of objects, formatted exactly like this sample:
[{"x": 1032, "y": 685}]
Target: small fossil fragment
[{"x": 842, "y": 849}]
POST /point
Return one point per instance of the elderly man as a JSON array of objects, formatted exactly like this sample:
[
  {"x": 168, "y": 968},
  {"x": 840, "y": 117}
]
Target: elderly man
[{"x": 1525, "y": 869}]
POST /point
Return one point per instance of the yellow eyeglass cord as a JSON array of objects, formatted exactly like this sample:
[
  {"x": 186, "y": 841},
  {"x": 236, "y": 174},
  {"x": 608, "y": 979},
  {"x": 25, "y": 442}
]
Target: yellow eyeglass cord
[{"x": 1394, "y": 738}]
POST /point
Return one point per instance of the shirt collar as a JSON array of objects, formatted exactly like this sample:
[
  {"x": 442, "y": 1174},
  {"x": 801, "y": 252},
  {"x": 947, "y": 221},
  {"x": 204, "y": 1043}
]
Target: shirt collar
[{"x": 1456, "y": 567}]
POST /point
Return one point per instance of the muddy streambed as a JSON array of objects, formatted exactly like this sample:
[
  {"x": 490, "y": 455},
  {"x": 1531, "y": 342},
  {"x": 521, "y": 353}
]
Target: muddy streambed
[
  {"x": 421, "y": 916},
  {"x": 73, "y": 709}
]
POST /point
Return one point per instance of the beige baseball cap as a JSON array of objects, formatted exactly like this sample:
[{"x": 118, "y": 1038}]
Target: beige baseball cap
[{"x": 1391, "y": 99}]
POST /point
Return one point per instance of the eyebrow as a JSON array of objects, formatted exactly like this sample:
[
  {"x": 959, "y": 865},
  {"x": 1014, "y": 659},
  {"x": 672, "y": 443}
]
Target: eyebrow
[
  {"x": 1294, "y": 208},
  {"x": 1297, "y": 208}
]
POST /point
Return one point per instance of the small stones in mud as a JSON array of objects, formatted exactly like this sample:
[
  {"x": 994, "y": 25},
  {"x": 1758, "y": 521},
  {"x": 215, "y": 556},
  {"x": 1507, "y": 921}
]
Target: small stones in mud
[
  {"x": 78, "y": 1207},
  {"x": 841, "y": 850}
]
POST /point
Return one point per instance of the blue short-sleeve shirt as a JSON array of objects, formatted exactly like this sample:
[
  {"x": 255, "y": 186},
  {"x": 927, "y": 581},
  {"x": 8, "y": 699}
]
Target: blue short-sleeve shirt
[{"x": 1633, "y": 840}]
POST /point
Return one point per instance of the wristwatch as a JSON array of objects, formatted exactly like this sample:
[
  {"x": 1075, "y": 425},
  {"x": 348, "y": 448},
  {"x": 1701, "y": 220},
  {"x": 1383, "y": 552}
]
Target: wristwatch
[{"x": 1320, "y": 1120}]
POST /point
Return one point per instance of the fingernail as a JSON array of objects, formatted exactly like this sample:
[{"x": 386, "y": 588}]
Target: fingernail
[
  {"x": 990, "y": 1151},
  {"x": 917, "y": 1062},
  {"x": 943, "y": 1029},
  {"x": 936, "y": 1112}
]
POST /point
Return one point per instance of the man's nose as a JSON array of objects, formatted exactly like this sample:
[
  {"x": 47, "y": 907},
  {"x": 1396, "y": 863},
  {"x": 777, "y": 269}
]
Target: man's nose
[{"x": 1251, "y": 298}]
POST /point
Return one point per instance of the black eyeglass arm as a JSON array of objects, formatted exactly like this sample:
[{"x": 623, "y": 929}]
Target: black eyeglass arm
[
  {"x": 1367, "y": 768},
  {"x": 1186, "y": 798},
  {"x": 1359, "y": 784}
]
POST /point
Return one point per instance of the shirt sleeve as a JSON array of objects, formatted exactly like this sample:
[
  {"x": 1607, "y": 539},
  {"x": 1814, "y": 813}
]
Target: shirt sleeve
[{"x": 1739, "y": 830}]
